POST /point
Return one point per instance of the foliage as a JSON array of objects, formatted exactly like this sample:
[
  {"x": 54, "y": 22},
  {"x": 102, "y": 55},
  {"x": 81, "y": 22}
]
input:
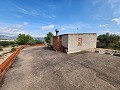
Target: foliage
[
  {"x": 31, "y": 42},
  {"x": 39, "y": 42},
  {"x": 108, "y": 40},
  {"x": 13, "y": 45},
  {"x": 6, "y": 43},
  {"x": 23, "y": 39},
  {"x": 13, "y": 49},
  {"x": 47, "y": 38},
  {"x": 1, "y": 48},
  {"x": 117, "y": 45}
]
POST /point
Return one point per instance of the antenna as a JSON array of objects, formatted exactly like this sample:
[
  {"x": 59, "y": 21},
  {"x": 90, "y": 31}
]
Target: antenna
[{"x": 77, "y": 29}]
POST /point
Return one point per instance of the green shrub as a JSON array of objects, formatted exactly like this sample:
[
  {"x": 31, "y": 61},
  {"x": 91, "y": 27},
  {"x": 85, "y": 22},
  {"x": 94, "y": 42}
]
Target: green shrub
[
  {"x": 31, "y": 42},
  {"x": 23, "y": 39},
  {"x": 1, "y": 49},
  {"x": 117, "y": 45},
  {"x": 48, "y": 37},
  {"x": 111, "y": 41},
  {"x": 39, "y": 42},
  {"x": 13, "y": 49},
  {"x": 14, "y": 45},
  {"x": 6, "y": 43}
]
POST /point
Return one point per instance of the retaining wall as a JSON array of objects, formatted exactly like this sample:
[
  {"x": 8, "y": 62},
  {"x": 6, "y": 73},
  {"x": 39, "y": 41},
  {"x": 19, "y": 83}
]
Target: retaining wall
[{"x": 9, "y": 61}]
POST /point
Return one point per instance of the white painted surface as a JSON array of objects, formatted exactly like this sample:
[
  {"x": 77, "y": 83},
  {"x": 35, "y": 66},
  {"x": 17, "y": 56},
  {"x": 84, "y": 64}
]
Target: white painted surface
[
  {"x": 51, "y": 41},
  {"x": 88, "y": 41},
  {"x": 64, "y": 41}
]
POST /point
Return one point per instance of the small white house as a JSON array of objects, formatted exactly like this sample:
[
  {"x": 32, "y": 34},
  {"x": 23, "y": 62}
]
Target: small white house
[{"x": 74, "y": 42}]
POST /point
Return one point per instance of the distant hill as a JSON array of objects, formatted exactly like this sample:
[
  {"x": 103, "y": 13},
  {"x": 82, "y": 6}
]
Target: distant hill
[
  {"x": 4, "y": 37},
  {"x": 39, "y": 38}
]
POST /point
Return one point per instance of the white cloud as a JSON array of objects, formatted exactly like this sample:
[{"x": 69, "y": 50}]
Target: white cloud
[
  {"x": 115, "y": 6},
  {"x": 25, "y": 23},
  {"x": 48, "y": 16},
  {"x": 113, "y": 3},
  {"x": 37, "y": 36},
  {"x": 62, "y": 29},
  {"x": 103, "y": 25},
  {"x": 117, "y": 20},
  {"x": 31, "y": 12},
  {"x": 107, "y": 31},
  {"x": 35, "y": 12},
  {"x": 14, "y": 30},
  {"x": 49, "y": 27}
]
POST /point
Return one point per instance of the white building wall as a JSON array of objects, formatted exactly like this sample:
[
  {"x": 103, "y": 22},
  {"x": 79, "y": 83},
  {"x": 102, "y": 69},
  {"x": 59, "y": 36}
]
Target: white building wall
[
  {"x": 87, "y": 41},
  {"x": 64, "y": 41},
  {"x": 51, "y": 41}
]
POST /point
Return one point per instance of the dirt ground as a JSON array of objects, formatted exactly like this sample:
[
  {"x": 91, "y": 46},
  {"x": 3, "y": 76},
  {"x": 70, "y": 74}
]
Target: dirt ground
[
  {"x": 40, "y": 68},
  {"x": 5, "y": 54}
]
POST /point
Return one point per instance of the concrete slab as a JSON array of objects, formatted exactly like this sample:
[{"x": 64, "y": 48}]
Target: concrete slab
[{"x": 40, "y": 68}]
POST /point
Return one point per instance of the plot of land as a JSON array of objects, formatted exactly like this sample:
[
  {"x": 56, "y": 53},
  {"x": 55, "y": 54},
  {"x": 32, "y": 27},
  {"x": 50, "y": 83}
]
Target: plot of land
[
  {"x": 5, "y": 53},
  {"x": 39, "y": 68}
]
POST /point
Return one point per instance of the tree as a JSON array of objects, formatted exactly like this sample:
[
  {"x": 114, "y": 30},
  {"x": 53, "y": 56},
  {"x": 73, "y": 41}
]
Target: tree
[
  {"x": 23, "y": 39},
  {"x": 108, "y": 40},
  {"x": 39, "y": 41},
  {"x": 6, "y": 43},
  {"x": 47, "y": 38}
]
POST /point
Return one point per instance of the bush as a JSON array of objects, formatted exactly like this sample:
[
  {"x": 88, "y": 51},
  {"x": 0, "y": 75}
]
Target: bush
[
  {"x": 107, "y": 40},
  {"x": 6, "y": 43},
  {"x": 31, "y": 42},
  {"x": 117, "y": 45},
  {"x": 13, "y": 49},
  {"x": 39, "y": 42},
  {"x": 24, "y": 39},
  {"x": 14, "y": 45},
  {"x": 48, "y": 37},
  {"x": 1, "y": 49}
]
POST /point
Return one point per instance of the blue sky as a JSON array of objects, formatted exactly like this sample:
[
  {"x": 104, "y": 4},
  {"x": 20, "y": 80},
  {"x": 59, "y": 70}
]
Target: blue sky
[{"x": 38, "y": 17}]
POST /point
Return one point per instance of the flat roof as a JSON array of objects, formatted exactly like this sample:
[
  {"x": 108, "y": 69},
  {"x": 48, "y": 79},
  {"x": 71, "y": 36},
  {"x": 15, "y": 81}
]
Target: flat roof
[{"x": 77, "y": 34}]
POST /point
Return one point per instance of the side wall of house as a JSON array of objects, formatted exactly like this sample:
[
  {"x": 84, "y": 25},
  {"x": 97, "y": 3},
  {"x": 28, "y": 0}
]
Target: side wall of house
[
  {"x": 79, "y": 42},
  {"x": 57, "y": 43},
  {"x": 64, "y": 41},
  {"x": 51, "y": 41}
]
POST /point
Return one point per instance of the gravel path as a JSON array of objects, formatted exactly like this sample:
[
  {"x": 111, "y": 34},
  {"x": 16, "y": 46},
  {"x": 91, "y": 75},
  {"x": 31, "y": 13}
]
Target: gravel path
[{"x": 39, "y": 68}]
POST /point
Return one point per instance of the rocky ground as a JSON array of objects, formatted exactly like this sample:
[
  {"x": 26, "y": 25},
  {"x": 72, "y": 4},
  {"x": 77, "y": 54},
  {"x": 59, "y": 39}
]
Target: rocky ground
[{"x": 40, "y": 68}]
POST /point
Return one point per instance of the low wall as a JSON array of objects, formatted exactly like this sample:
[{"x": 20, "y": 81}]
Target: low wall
[{"x": 9, "y": 61}]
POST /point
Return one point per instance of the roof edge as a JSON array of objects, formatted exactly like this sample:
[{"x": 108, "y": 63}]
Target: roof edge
[{"x": 77, "y": 34}]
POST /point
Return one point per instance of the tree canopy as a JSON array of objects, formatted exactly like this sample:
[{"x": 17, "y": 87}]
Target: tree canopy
[
  {"x": 47, "y": 38},
  {"x": 23, "y": 39},
  {"x": 109, "y": 40},
  {"x": 27, "y": 39}
]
